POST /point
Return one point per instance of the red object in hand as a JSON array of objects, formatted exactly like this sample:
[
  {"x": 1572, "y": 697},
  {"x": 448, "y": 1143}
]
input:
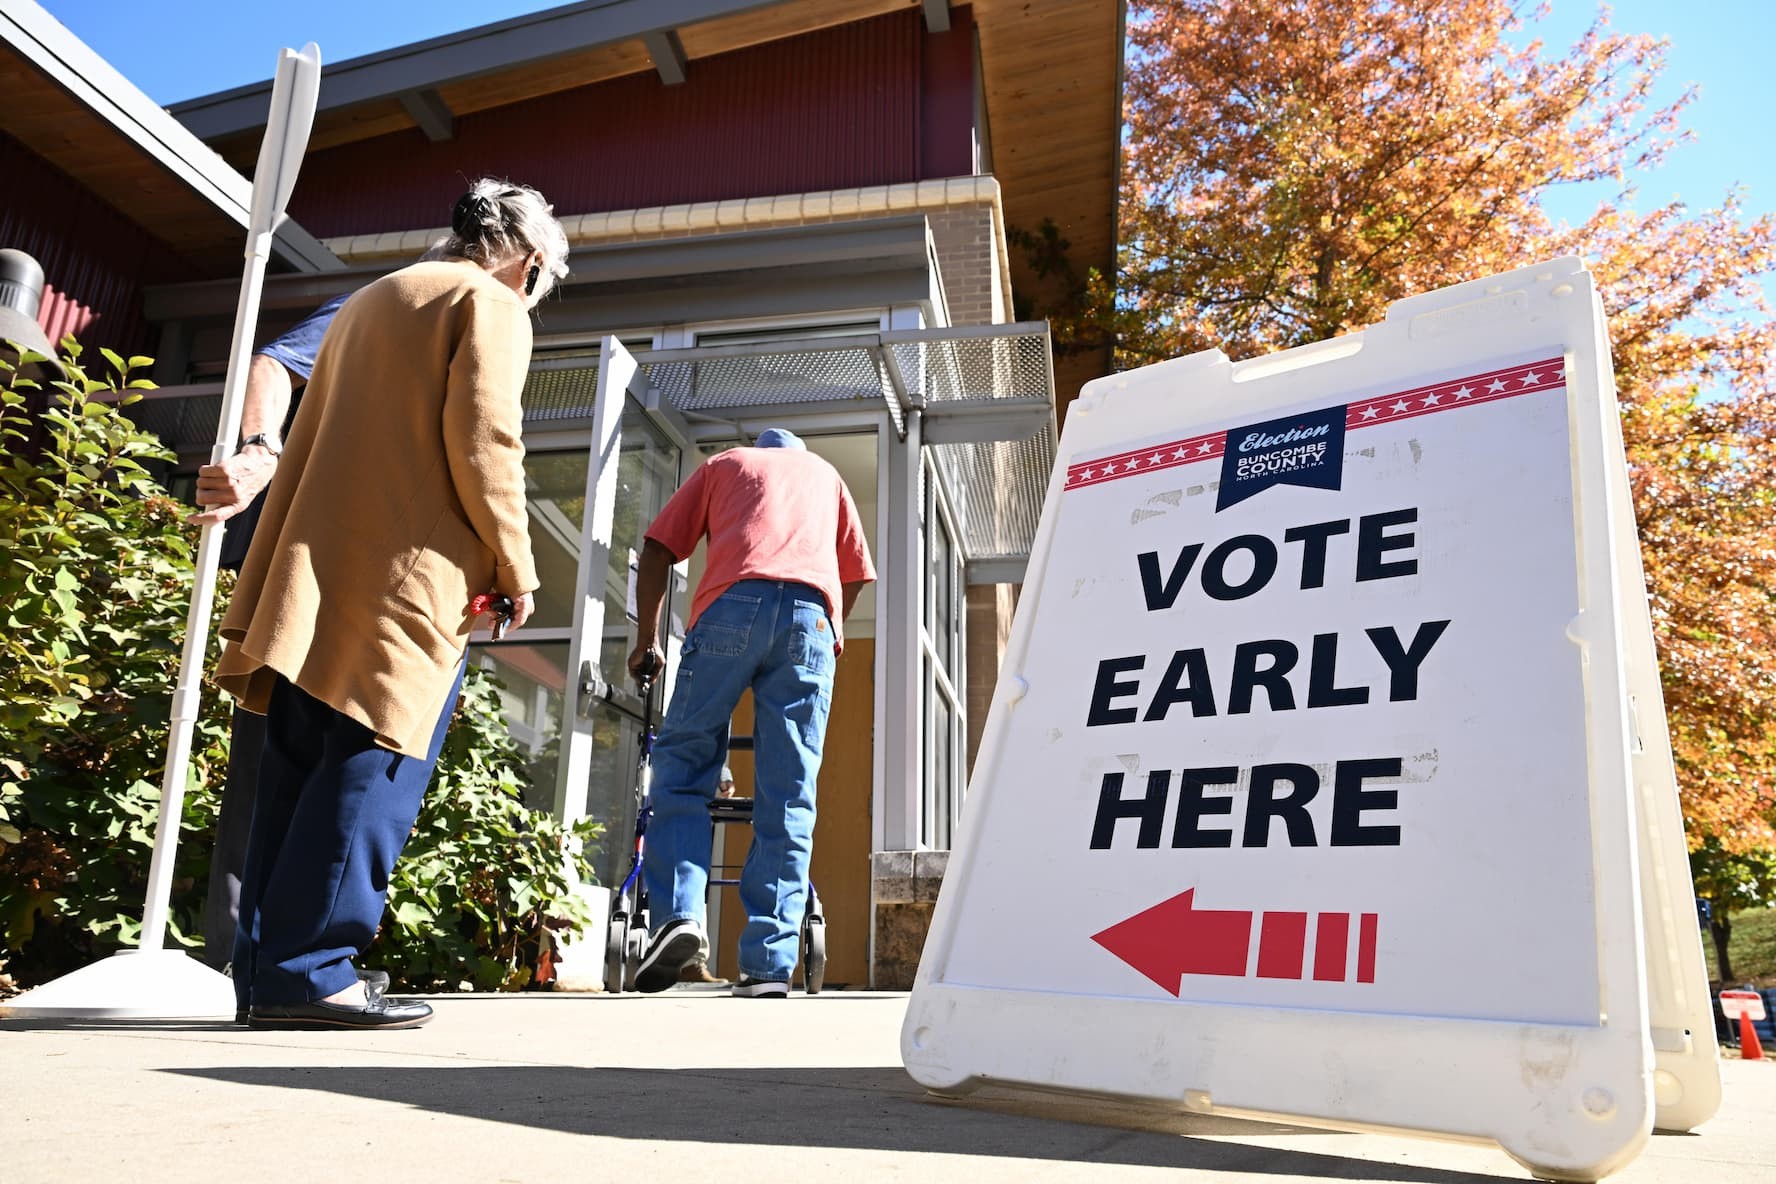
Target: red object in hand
[{"x": 497, "y": 605}]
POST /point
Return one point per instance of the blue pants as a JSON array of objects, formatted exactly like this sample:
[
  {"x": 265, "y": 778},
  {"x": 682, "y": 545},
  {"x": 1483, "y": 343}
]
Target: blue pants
[
  {"x": 330, "y": 817},
  {"x": 777, "y": 639}
]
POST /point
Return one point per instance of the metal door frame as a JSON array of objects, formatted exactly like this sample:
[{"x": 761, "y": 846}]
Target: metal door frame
[{"x": 619, "y": 378}]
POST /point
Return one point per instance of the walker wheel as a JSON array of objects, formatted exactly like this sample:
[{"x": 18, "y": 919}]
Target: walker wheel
[
  {"x": 636, "y": 947},
  {"x": 814, "y": 956},
  {"x": 616, "y": 936}
]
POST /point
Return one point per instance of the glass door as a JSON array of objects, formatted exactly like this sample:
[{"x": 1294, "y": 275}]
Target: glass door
[
  {"x": 634, "y": 466},
  {"x": 532, "y": 664}
]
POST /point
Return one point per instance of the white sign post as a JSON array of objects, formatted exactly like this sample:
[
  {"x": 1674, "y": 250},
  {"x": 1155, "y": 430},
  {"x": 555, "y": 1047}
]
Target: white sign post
[
  {"x": 1327, "y": 775},
  {"x": 152, "y": 981}
]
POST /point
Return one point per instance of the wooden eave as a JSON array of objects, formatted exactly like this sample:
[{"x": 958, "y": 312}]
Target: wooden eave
[{"x": 66, "y": 104}]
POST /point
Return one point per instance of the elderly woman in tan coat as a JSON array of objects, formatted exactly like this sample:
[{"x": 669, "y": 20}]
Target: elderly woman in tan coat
[{"x": 399, "y": 498}]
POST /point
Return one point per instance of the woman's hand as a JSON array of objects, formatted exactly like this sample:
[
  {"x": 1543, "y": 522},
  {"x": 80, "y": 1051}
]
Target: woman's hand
[{"x": 501, "y": 623}]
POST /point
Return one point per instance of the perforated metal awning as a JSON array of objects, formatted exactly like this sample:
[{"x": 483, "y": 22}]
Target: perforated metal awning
[
  {"x": 984, "y": 397},
  {"x": 988, "y": 416}
]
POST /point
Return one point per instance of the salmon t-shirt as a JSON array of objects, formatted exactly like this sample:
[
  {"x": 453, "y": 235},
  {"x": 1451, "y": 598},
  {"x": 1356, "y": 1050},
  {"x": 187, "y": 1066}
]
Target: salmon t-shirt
[{"x": 770, "y": 514}]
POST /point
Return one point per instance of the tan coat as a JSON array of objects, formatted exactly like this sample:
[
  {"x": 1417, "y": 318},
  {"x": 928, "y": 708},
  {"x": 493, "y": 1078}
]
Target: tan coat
[{"x": 400, "y": 495}]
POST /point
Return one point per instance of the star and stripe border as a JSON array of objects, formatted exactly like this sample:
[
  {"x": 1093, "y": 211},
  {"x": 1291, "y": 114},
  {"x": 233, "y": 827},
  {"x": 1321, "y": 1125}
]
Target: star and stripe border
[{"x": 1493, "y": 386}]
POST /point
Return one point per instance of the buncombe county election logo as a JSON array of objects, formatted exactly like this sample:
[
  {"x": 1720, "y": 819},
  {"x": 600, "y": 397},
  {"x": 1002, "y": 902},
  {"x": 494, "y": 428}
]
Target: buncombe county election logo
[{"x": 1305, "y": 450}]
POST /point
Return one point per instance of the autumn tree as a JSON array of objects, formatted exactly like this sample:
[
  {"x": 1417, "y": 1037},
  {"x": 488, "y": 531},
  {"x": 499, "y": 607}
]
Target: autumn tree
[
  {"x": 1730, "y": 882},
  {"x": 1294, "y": 166}
]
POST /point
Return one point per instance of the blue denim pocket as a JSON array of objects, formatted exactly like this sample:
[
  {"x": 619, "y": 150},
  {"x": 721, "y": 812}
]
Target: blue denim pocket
[
  {"x": 725, "y": 628},
  {"x": 810, "y": 638}
]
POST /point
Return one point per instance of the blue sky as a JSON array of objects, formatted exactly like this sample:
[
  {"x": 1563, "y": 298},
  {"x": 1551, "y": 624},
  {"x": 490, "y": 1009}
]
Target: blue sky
[
  {"x": 182, "y": 48},
  {"x": 178, "y": 49},
  {"x": 1723, "y": 46}
]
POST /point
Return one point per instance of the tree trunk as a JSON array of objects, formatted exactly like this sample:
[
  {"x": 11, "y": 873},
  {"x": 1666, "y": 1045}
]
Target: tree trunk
[{"x": 1721, "y": 927}]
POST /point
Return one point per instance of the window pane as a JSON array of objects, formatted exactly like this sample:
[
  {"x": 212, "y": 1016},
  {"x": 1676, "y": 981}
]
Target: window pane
[
  {"x": 789, "y": 333},
  {"x": 942, "y": 727},
  {"x": 927, "y": 772},
  {"x": 647, "y": 475},
  {"x": 610, "y": 790},
  {"x": 533, "y": 678},
  {"x": 943, "y": 593},
  {"x": 555, "y": 485}
]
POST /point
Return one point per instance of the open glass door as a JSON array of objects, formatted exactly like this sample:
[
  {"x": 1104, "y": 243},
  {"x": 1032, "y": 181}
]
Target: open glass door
[{"x": 637, "y": 456}]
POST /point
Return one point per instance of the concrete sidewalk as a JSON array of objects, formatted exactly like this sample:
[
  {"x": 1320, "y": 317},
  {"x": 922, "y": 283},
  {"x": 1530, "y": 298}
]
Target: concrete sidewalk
[{"x": 687, "y": 1086}]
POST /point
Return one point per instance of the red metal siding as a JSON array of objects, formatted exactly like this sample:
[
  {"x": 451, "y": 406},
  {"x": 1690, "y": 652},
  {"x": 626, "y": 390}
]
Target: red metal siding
[
  {"x": 95, "y": 261},
  {"x": 946, "y": 108},
  {"x": 833, "y": 109}
]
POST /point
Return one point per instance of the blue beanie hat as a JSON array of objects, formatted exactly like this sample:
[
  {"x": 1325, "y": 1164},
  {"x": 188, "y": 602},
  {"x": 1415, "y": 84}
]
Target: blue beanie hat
[{"x": 778, "y": 438}]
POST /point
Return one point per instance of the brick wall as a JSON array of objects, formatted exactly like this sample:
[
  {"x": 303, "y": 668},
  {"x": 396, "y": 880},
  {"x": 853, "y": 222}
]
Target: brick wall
[
  {"x": 968, "y": 257},
  {"x": 989, "y": 608}
]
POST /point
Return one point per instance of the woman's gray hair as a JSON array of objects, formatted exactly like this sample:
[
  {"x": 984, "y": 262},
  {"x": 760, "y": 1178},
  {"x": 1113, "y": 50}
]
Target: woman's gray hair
[{"x": 496, "y": 220}]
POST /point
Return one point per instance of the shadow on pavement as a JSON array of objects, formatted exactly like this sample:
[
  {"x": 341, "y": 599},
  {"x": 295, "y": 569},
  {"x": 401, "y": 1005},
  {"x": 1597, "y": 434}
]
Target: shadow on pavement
[{"x": 845, "y": 1108}]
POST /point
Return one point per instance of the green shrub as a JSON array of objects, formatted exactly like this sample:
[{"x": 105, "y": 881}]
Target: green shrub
[
  {"x": 95, "y": 580},
  {"x": 482, "y": 872},
  {"x": 96, "y": 573}
]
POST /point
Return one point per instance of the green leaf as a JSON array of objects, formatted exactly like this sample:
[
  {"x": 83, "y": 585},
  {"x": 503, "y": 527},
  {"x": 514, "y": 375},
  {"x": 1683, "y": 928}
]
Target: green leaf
[{"x": 409, "y": 915}]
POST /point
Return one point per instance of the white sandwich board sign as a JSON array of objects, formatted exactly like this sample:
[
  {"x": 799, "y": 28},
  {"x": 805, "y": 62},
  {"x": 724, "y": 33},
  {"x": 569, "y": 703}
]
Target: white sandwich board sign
[{"x": 1327, "y": 775}]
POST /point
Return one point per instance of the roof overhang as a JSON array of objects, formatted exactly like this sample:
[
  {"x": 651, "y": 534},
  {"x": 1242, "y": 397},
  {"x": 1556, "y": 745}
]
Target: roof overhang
[
  {"x": 1051, "y": 79},
  {"x": 68, "y": 105},
  {"x": 436, "y": 67},
  {"x": 1052, "y": 76}
]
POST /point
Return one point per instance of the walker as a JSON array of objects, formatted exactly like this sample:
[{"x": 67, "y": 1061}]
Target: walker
[{"x": 626, "y": 936}]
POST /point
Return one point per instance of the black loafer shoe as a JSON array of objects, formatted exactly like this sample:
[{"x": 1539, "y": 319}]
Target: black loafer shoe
[
  {"x": 376, "y": 985},
  {"x": 380, "y": 1012}
]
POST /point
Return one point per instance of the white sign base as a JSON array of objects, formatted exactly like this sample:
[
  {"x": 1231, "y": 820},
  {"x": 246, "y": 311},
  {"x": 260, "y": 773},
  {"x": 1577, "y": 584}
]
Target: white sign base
[
  {"x": 1327, "y": 775},
  {"x": 130, "y": 984}
]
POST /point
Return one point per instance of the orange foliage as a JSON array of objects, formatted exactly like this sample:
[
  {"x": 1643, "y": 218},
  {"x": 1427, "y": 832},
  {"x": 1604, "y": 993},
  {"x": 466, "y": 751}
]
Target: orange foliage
[{"x": 1294, "y": 166}]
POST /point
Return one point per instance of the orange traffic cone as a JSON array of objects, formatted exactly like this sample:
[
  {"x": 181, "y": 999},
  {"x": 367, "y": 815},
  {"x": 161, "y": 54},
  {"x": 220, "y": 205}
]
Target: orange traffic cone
[{"x": 1749, "y": 1048}]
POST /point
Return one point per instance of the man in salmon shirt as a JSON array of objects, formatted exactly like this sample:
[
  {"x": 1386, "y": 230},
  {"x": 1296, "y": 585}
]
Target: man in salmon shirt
[{"x": 786, "y": 561}]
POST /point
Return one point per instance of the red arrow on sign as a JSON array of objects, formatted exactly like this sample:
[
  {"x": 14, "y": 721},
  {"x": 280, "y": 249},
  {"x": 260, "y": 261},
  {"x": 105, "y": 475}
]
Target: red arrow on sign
[{"x": 1173, "y": 938}]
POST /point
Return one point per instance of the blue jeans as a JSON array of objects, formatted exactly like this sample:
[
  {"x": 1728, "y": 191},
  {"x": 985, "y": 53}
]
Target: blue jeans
[
  {"x": 330, "y": 816},
  {"x": 776, "y": 638}
]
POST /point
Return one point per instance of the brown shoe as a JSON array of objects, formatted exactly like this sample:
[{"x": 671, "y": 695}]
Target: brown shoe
[{"x": 697, "y": 971}]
